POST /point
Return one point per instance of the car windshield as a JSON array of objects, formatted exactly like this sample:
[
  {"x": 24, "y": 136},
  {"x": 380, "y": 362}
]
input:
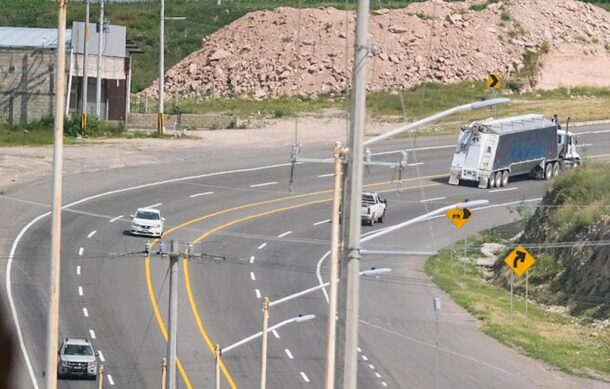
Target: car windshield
[
  {"x": 77, "y": 349},
  {"x": 368, "y": 199},
  {"x": 147, "y": 215}
]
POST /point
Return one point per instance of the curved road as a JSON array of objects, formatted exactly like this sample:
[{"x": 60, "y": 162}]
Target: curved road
[{"x": 274, "y": 243}]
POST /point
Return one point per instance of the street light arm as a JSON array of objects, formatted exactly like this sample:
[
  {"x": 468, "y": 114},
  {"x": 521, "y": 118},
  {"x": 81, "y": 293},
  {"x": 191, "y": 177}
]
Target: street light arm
[
  {"x": 371, "y": 272},
  {"x": 297, "y": 319},
  {"x": 461, "y": 108},
  {"x": 439, "y": 211}
]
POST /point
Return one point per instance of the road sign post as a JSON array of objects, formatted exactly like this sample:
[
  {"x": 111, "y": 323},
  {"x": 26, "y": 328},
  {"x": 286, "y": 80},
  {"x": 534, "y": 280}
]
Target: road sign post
[{"x": 519, "y": 260}]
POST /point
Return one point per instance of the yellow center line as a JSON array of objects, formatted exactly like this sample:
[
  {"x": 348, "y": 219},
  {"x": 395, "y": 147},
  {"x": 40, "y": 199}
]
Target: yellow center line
[{"x": 191, "y": 298}]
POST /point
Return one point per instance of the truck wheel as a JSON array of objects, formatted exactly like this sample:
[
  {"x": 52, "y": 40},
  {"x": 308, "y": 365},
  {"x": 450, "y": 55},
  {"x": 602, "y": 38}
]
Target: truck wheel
[
  {"x": 382, "y": 217},
  {"x": 555, "y": 168},
  {"x": 505, "y": 178},
  {"x": 499, "y": 179},
  {"x": 548, "y": 171}
]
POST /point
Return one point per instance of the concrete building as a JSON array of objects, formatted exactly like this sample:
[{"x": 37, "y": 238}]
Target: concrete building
[{"x": 27, "y": 72}]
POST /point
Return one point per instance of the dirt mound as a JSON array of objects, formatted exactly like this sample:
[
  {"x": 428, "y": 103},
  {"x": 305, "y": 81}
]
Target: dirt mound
[{"x": 307, "y": 52}]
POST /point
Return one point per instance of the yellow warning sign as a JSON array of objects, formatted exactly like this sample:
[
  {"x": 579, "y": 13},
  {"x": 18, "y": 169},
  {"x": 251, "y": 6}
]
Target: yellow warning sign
[
  {"x": 493, "y": 81},
  {"x": 520, "y": 260},
  {"x": 459, "y": 216}
]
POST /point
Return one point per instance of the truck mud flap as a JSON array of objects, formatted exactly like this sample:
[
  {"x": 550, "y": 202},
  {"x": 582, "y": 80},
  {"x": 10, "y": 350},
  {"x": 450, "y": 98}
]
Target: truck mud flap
[
  {"x": 454, "y": 179},
  {"x": 483, "y": 182}
]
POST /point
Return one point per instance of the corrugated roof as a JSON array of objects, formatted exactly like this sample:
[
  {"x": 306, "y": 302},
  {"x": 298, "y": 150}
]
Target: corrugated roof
[{"x": 31, "y": 37}]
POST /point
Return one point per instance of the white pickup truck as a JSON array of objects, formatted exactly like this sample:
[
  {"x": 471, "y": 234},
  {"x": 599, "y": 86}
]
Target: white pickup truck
[{"x": 373, "y": 208}]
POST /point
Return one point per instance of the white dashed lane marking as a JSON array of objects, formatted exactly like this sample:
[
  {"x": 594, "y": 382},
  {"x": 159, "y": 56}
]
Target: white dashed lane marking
[
  {"x": 80, "y": 291},
  {"x": 377, "y": 375},
  {"x": 359, "y": 349},
  {"x": 365, "y": 358},
  {"x": 274, "y": 332},
  {"x": 80, "y": 251},
  {"x": 85, "y": 312},
  {"x": 91, "y": 234},
  {"x": 326, "y": 175},
  {"x": 252, "y": 259},
  {"x": 78, "y": 270},
  {"x": 101, "y": 356},
  {"x": 92, "y": 334},
  {"x": 434, "y": 199},
  {"x": 201, "y": 194},
  {"x": 322, "y": 222},
  {"x": 371, "y": 366},
  {"x": 284, "y": 234},
  {"x": 262, "y": 246},
  {"x": 252, "y": 276},
  {"x": 263, "y": 184},
  {"x": 154, "y": 205},
  {"x": 115, "y": 219},
  {"x": 503, "y": 190},
  {"x": 289, "y": 353},
  {"x": 304, "y": 376},
  {"x": 384, "y": 384},
  {"x": 110, "y": 380},
  {"x": 258, "y": 293}
]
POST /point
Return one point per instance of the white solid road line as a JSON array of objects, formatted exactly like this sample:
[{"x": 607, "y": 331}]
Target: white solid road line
[
  {"x": 92, "y": 334},
  {"x": 284, "y": 234},
  {"x": 110, "y": 380},
  {"x": 252, "y": 259},
  {"x": 304, "y": 376},
  {"x": 9, "y": 266},
  {"x": 322, "y": 222},
  {"x": 252, "y": 276},
  {"x": 262, "y": 246},
  {"x": 80, "y": 251},
  {"x": 101, "y": 356},
  {"x": 258, "y": 293},
  {"x": 115, "y": 219},
  {"x": 503, "y": 190},
  {"x": 275, "y": 333},
  {"x": 80, "y": 291},
  {"x": 415, "y": 164},
  {"x": 263, "y": 184},
  {"x": 289, "y": 353},
  {"x": 154, "y": 205},
  {"x": 201, "y": 194},
  {"x": 91, "y": 234},
  {"x": 78, "y": 270},
  {"x": 434, "y": 199},
  {"x": 85, "y": 312},
  {"x": 418, "y": 149},
  {"x": 326, "y": 175}
]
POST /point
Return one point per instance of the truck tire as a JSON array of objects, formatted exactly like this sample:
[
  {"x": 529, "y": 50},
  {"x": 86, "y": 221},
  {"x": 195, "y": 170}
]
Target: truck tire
[
  {"x": 382, "y": 217},
  {"x": 548, "y": 171},
  {"x": 498, "y": 179},
  {"x": 505, "y": 176},
  {"x": 556, "y": 169}
]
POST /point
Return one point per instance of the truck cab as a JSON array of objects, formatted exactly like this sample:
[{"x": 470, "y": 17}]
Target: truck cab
[
  {"x": 373, "y": 208},
  {"x": 566, "y": 144}
]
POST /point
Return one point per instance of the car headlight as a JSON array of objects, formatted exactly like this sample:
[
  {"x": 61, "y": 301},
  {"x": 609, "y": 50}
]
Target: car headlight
[
  {"x": 65, "y": 364},
  {"x": 157, "y": 226}
]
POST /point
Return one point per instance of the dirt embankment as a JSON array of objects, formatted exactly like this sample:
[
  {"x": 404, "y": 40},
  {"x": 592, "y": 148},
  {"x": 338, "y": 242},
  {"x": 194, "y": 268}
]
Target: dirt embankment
[{"x": 307, "y": 52}]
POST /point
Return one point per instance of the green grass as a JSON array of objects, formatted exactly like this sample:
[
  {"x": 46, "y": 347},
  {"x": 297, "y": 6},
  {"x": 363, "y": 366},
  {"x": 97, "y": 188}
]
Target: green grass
[
  {"x": 554, "y": 338},
  {"x": 483, "y": 5}
]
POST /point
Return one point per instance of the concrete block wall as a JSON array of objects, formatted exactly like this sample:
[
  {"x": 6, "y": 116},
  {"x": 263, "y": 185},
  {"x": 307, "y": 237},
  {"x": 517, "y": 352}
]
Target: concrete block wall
[
  {"x": 181, "y": 121},
  {"x": 27, "y": 85}
]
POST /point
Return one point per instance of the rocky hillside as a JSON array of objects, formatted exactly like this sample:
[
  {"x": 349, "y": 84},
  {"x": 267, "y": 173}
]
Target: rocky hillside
[
  {"x": 574, "y": 216},
  {"x": 307, "y": 52}
]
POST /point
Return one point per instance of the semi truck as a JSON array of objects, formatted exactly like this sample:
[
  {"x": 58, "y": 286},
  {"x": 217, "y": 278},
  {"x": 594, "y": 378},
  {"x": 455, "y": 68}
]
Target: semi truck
[{"x": 492, "y": 150}]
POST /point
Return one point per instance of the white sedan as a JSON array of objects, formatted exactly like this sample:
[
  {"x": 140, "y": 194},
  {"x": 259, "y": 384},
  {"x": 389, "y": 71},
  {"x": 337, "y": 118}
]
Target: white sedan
[{"x": 147, "y": 221}]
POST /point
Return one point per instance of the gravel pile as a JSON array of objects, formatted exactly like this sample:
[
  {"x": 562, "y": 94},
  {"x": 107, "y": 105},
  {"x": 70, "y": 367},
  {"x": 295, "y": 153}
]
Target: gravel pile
[{"x": 307, "y": 52}]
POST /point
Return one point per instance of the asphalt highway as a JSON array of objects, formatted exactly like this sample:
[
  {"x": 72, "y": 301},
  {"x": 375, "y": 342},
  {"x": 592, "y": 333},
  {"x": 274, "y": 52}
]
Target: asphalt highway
[{"x": 262, "y": 241}]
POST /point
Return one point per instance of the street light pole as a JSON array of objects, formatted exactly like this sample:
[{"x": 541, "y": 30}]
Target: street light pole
[
  {"x": 55, "y": 257},
  {"x": 160, "y": 119},
  {"x": 83, "y": 119},
  {"x": 350, "y": 256},
  {"x": 98, "y": 86},
  {"x": 173, "y": 314}
]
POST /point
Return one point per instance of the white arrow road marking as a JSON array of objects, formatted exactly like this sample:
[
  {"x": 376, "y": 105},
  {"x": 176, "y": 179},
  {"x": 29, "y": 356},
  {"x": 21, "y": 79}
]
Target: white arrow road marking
[
  {"x": 201, "y": 194},
  {"x": 91, "y": 234},
  {"x": 263, "y": 184},
  {"x": 304, "y": 376},
  {"x": 115, "y": 219}
]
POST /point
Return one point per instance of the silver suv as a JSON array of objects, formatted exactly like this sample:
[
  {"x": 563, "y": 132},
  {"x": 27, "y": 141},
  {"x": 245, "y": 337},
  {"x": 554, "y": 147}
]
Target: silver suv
[{"x": 77, "y": 358}]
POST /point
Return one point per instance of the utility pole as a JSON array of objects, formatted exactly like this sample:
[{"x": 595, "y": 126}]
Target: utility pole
[
  {"x": 264, "y": 349},
  {"x": 331, "y": 337},
  {"x": 160, "y": 119},
  {"x": 98, "y": 90},
  {"x": 347, "y": 368},
  {"x": 173, "y": 314},
  {"x": 83, "y": 119},
  {"x": 53, "y": 318}
]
